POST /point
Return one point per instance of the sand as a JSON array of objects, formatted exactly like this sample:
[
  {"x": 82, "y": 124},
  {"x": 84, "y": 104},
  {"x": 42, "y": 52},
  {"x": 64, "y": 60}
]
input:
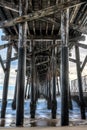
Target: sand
[{"x": 48, "y": 128}]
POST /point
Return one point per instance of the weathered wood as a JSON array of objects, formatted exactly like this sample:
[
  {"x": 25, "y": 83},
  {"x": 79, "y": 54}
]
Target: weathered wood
[
  {"x": 82, "y": 104},
  {"x": 2, "y": 64},
  {"x": 5, "y": 45},
  {"x": 84, "y": 63},
  {"x": 21, "y": 65},
  {"x": 58, "y": 92},
  {"x": 33, "y": 102},
  {"x": 34, "y": 37},
  {"x": 74, "y": 60},
  {"x": 54, "y": 102},
  {"x": 41, "y": 13},
  {"x": 84, "y": 46},
  {"x": 12, "y": 59},
  {"x": 9, "y": 6},
  {"x": 45, "y": 38},
  {"x": 64, "y": 67},
  {"x": 27, "y": 83},
  {"x": 6, "y": 81},
  {"x": 15, "y": 93},
  {"x": 74, "y": 13},
  {"x": 49, "y": 85}
]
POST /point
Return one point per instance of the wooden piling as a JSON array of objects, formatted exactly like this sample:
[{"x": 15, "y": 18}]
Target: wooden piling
[
  {"x": 49, "y": 95},
  {"x": 54, "y": 102},
  {"x": 6, "y": 81},
  {"x": 82, "y": 104},
  {"x": 70, "y": 100},
  {"x": 21, "y": 65},
  {"x": 33, "y": 102},
  {"x": 15, "y": 93},
  {"x": 64, "y": 87},
  {"x": 26, "y": 88},
  {"x": 58, "y": 87},
  {"x": 64, "y": 67}
]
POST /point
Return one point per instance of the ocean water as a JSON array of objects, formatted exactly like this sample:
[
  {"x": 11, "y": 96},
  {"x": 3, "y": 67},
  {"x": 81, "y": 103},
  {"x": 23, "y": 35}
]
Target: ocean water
[
  {"x": 43, "y": 115},
  {"x": 10, "y": 92}
]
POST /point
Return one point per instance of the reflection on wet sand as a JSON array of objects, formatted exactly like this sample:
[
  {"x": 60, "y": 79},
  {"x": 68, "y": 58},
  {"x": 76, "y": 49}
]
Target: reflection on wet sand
[{"x": 41, "y": 122}]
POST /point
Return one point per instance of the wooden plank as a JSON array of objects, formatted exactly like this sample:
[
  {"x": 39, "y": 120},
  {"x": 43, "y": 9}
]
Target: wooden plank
[{"x": 41, "y": 13}]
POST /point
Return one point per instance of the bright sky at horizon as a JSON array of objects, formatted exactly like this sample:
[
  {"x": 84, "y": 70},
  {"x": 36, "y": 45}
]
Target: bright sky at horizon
[{"x": 72, "y": 66}]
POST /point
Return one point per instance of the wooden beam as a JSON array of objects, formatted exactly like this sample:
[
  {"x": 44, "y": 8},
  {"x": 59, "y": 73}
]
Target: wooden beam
[
  {"x": 41, "y": 13},
  {"x": 84, "y": 63},
  {"x": 15, "y": 38},
  {"x": 9, "y": 6},
  {"x": 84, "y": 46},
  {"x": 12, "y": 59},
  {"x": 5, "y": 45},
  {"x": 38, "y": 64},
  {"x": 73, "y": 60},
  {"x": 2, "y": 64},
  {"x": 41, "y": 37}
]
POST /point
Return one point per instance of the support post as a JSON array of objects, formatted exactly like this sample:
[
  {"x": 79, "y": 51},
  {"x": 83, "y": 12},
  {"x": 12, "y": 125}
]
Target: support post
[
  {"x": 2, "y": 64},
  {"x": 6, "y": 81},
  {"x": 28, "y": 96},
  {"x": 70, "y": 100},
  {"x": 58, "y": 87},
  {"x": 26, "y": 88},
  {"x": 21, "y": 65},
  {"x": 49, "y": 90},
  {"x": 54, "y": 102},
  {"x": 33, "y": 102},
  {"x": 64, "y": 67},
  {"x": 82, "y": 104},
  {"x": 15, "y": 92}
]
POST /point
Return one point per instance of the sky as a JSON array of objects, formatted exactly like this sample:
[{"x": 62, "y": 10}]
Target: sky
[{"x": 72, "y": 66}]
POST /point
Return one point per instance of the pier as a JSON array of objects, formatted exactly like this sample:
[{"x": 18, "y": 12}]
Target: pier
[{"x": 42, "y": 33}]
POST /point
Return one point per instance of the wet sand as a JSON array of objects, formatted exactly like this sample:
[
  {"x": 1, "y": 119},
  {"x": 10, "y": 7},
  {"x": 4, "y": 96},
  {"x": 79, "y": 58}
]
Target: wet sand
[
  {"x": 41, "y": 122},
  {"x": 48, "y": 128}
]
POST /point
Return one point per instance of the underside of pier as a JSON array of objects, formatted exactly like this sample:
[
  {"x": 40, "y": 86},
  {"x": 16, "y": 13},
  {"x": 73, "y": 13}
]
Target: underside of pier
[{"x": 42, "y": 32}]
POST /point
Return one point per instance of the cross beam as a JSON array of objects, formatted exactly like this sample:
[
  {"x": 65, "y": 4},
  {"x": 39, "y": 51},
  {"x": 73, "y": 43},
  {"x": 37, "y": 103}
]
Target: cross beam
[
  {"x": 9, "y": 6},
  {"x": 41, "y": 13},
  {"x": 5, "y": 45},
  {"x": 84, "y": 63}
]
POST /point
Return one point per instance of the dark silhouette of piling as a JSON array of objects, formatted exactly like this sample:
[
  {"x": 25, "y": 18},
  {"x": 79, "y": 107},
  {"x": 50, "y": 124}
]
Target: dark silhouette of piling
[
  {"x": 82, "y": 104},
  {"x": 15, "y": 94},
  {"x": 6, "y": 81},
  {"x": 54, "y": 102},
  {"x": 33, "y": 102}
]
